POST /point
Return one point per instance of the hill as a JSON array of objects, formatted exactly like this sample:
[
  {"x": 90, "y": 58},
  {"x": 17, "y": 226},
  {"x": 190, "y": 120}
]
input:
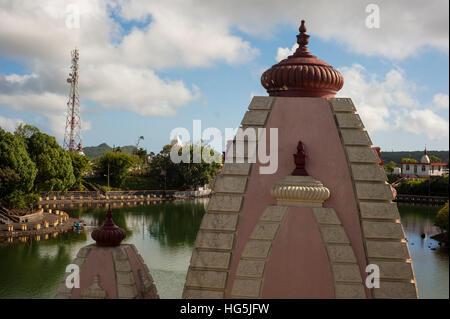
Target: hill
[
  {"x": 94, "y": 152},
  {"x": 397, "y": 156}
]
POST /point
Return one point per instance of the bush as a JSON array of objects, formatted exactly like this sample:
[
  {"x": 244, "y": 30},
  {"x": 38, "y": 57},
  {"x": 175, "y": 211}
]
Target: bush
[
  {"x": 433, "y": 186},
  {"x": 441, "y": 219}
]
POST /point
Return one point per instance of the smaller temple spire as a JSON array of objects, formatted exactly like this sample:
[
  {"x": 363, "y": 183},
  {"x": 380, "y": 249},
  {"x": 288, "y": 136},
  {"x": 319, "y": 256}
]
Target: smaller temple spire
[
  {"x": 300, "y": 161},
  {"x": 109, "y": 235}
]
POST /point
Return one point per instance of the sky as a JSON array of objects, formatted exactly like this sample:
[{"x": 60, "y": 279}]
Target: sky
[{"x": 147, "y": 67}]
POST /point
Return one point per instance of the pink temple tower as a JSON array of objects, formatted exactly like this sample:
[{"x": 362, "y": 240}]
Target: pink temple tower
[{"x": 310, "y": 229}]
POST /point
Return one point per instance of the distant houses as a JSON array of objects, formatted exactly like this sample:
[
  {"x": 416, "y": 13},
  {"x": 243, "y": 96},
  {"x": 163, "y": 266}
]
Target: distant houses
[{"x": 422, "y": 169}]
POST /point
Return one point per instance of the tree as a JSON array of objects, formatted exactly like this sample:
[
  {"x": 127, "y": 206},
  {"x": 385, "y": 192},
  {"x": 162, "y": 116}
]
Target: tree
[
  {"x": 54, "y": 164},
  {"x": 80, "y": 165},
  {"x": 441, "y": 219},
  {"x": 389, "y": 167},
  {"x": 17, "y": 171},
  {"x": 408, "y": 160},
  {"x": 119, "y": 164},
  {"x": 183, "y": 175},
  {"x": 435, "y": 159}
]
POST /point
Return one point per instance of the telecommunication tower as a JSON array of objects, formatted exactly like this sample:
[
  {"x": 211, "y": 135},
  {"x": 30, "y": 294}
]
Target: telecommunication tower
[{"x": 72, "y": 135}]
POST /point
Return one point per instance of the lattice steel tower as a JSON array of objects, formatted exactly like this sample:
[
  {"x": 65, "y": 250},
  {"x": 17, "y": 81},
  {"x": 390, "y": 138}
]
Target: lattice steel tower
[{"x": 72, "y": 135}]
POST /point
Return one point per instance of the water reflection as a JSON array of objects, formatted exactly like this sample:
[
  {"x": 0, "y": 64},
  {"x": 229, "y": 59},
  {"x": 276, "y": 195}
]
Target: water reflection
[
  {"x": 430, "y": 260},
  {"x": 163, "y": 233}
]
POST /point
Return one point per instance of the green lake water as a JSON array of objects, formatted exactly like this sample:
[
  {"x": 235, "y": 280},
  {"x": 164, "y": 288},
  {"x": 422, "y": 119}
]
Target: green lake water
[{"x": 164, "y": 234}]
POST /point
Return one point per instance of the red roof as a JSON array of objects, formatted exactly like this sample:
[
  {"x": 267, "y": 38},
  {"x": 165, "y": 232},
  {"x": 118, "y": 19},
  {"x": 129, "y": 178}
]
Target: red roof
[{"x": 439, "y": 164}]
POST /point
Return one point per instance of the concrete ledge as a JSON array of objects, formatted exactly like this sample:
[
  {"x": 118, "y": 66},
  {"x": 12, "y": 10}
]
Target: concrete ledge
[
  {"x": 206, "y": 278},
  {"x": 246, "y": 288},
  {"x": 349, "y": 120},
  {"x": 274, "y": 213},
  {"x": 202, "y": 294},
  {"x": 349, "y": 291},
  {"x": 230, "y": 184},
  {"x": 210, "y": 259},
  {"x": 255, "y": 117},
  {"x": 395, "y": 290},
  {"x": 236, "y": 169},
  {"x": 256, "y": 249},
  {"x": 250, "y": 268},
  {"x": 261, "y": 103},
  {"x": 347, "y": 273},
  {"x": 382, "y": 230},
  {"x": 214, "y": 240},
  {"x": 326, "y": 216},
  {"x": 373, "y": 191},
  {"x": 387, "y": 249},
  {"x": 265, "y": 230},
  {"x": 394, "y": 269},
  {"x": 334, "y": 234},
  {"x": 342, "y": 104},
  {"x": 355, "y": 137},
  {"x": 341, "y": 253},
  {"x": 226, "y": 222},
  {"x": 379, "y": 210},
  {"x": 368, "y": 172},
  {"x": 226, "y": 203},
  {"x": 361, "y": 154}
]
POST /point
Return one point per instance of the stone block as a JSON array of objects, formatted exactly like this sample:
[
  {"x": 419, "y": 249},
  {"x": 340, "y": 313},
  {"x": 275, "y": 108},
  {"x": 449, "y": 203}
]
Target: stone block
[
  {"x": 256, "y": 249},
  {"x": 378, "y": 210},
  {"x": 387, "y": 249},
  {"x": 376, "y": 191},
  {"x": 250, "y": 268},
  {"x": 334, "y": 235},
  {"x": 261, "y": 103},
  {"x": 202, "y": 294},
  {"x": 126, "y": 291},
  {"x": 210, "y": 259},
  {"x": 394, "y": 269},
  {"x": 341, "y": 253},
  {"x": 395, "y": 290},
  {"x": 225, "y": 203},
  {"x": 214, "y": 240},
  {"x": 206, "y": 278},
  {"x": 368, "y": 172},
  {"x": 361, "y": 154},
  {"x": 342, "y": 105},
  {"x": 255, "y": 117},
  {"x": 349, "y": 291},
  {"x": 236, "y": 169},
  {"x": 122, "y": 265},
  {"x": 382, "y": 230},
  {"x": 230, "y": 184},
  {"x": 349, "y": 120},
  {"x": 274, "y": 213},
  {"x": 346, "y": 273},
  {"x": 124, "y": 277},
  {"x": 355, "y": 137},
  {"x": 84, "y": 252},
  {"x": 264, "y": 230},
  {"x": 326, "y": 216},
  {"x": 246, "y": 288},
  {"x": 225, "y": 222}
]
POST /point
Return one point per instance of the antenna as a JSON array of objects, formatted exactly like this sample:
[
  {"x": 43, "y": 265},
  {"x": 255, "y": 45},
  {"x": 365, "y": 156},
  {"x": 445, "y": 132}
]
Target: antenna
[{"x": 72, "y": 135}]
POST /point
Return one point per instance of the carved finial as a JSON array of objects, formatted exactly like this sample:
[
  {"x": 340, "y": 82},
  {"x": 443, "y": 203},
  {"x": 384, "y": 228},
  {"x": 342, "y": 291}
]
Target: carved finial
[
  {"x": 300, "y": 161},
  {"x": 109, "y": 235},
  {"x": 302, "y": 40}
]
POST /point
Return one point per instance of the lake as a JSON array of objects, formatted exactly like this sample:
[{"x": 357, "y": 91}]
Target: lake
[{"x": 164, "y": 234}]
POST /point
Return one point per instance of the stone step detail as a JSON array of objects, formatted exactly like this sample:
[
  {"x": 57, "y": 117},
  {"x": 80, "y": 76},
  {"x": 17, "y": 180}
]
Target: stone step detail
[
  {"x": 383, "y": 234},
  {"x": 251, "y": 266},
  {"x": 348, "y": 283},
  {"x": 210, "y": 262}
]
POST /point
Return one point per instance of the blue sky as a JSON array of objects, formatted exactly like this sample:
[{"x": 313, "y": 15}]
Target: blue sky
[{"x": 146, "y": 68}]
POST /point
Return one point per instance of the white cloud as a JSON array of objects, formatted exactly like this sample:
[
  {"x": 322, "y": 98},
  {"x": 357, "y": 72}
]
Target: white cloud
[
  {"x": 440, "y": 101},
  {"x": 390, "y": 103},
  {"x": 9, "y": 124},
  {"x": 424, "y": 122},
  {"x": 283, "y": 53}
]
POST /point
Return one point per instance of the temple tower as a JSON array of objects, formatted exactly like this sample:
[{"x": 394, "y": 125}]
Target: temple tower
[
  {"x": 310, "y": 229},
  {"x": 109, "y": 269}
]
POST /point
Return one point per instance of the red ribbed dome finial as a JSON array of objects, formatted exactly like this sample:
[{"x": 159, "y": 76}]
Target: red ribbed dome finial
[
  {"x": 302, "y": 74},
  {"x": 109, "y": 235}
]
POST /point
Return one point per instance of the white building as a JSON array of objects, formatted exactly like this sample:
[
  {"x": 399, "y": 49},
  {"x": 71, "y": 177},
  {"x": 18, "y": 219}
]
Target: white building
[{"x": 423, "y": 169}]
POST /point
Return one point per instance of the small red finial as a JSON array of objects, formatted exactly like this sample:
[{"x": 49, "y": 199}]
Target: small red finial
[
  {"x": 109, "y": 235},
  {"x": 300, "y": 161},
  {"x": 302, "y": 40},
  {"x": 378, "y": 150}
]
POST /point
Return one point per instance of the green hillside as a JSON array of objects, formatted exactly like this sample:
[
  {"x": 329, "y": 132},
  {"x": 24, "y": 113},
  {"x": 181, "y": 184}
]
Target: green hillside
[
  {"x": 397, "y": 156},
  {"x": 94, "y": 152}
]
